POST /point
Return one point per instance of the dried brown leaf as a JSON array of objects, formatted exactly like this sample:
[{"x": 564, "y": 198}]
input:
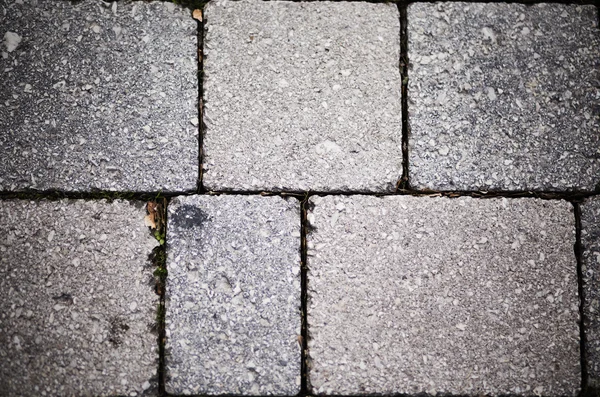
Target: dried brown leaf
[{"x": 197, "y": 14}]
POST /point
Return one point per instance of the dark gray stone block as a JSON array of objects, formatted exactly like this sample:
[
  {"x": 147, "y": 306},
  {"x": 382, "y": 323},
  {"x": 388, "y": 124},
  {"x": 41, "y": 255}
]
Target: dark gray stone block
[
  {"x": 590, "y": 240},
  {"x": 504, "y": 96},
  {"x": 462, "y": 296},
  {"x": 78, "y": 299},
  {"x": 233, "y": 296},
  {"x": 98, "y": 95},
  {"x": 302, "y": 96}
]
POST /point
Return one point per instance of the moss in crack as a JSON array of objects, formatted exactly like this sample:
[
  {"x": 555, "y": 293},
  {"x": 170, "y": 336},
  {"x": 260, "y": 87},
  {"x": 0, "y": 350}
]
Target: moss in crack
[{"x": 156, "y": 219}]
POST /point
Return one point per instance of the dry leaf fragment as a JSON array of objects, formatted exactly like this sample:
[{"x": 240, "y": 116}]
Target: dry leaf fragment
[
  {"x": 197, "y": 14},
  {"x": 150, "y": 219}
]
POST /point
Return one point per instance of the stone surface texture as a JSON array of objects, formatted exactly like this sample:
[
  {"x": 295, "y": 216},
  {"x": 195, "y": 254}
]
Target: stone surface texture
[
  {"x": 302, "y": 96},
  {"x": 590, "y": 240},
  {"x": 462, "y": 296},
  {"x": 78, "y": 299},
  {"x": 504, "y": 96},
  {"x": 233, "y": 295},
  {"x": 98, "y": 95}
]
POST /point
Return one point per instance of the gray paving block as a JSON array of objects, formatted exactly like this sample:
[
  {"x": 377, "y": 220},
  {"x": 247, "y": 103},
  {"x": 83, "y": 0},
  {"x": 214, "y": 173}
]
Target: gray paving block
[
  {"x": 78, "y": 299},
  {"x": 233, "y": 295},
  {"x": 504, "y": 96},
  {"x": 302, "y": 96},
  {"x": 590, "y": 240},
  {"x": 97, "y": 95},
  {"x": 435, "y": 295}
]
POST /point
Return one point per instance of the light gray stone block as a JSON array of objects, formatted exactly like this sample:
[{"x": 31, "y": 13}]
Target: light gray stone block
[
  {"x": 233, "y": 295},
  {"x": 461, "y": 296},
  {"x": 504, "y": 96},
  {"x": 590, "y": 240},
  {"x": 78, "y": 299},
  {"x": 302, "y": 96},
  {"x": 98, "y": 95}
]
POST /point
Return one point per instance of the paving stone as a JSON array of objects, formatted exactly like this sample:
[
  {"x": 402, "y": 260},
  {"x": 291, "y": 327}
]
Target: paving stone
[
  {"x": 302, "y": 96},
  {"x": 461, "y": 296},
  {"x": 590, "y": 240},
  {"x": 78, "y": 299},
  {"x": 97, "y": 95},
  {"x": 504, "y": 96},
  {"x": 233, "y": 295}
]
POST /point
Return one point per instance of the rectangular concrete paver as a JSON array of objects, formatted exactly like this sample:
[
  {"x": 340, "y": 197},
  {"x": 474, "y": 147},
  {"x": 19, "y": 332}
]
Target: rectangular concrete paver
[
  {"x": 302, "y": 96},
  {"x": 461, "y": 296},
  {"x": 504, "y": 96},
  {"x": 78, "y": 303},
  {"x": 233, "y": 296},
  {"x": 98, "y": 95},
  {"x": 590, "y": 240}
]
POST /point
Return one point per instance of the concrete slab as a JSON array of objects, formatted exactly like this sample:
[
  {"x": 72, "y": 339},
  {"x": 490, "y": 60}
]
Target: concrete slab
[
  {"x": 233, "y": 296},
  {"x": 504, "y": 96},
  {"x": 590, "y": 240},
  {"x": 435, "y": 295},
  {"x": 78, "y": 299},
  {"x": 98, "y": 95},
  {"x": 302, "y": 96}
]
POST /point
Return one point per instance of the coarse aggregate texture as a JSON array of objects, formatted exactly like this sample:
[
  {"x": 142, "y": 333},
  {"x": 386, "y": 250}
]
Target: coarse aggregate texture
[
  {"x": 504, "y": 96},
  {"x": 590, "y": 256},
  {"x": 461, "y": 296},
  {"x": 302, "y": 96},
  {"x": 98, "y": 95},
  {"x": 233, "y": 295},
  {"x": 78, "y": 299}
]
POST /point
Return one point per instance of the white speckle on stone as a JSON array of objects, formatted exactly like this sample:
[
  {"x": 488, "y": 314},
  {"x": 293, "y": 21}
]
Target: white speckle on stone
[
  {"x": 346, "y": 72},
  {"x": 28, "y": 88},
  {"x": 51, "y": 236},
  {"x": 11, "y": 41},
  {"x": 491, "y": 94},
  {"x": 461, "y": 326},
  {"x": 95, "y": 28},
  {"x": 444, "y": 150},
  {"x": 146, "y": 385},
  {"x": 488, "y": 33},
  {"x": 328, "y": 147}
]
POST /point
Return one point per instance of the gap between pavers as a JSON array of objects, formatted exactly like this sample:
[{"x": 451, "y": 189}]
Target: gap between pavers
[
  {"x": 430, "y": 295},
  {"x": 78, "y": 298},
  {"x": 233, "y": 296}
]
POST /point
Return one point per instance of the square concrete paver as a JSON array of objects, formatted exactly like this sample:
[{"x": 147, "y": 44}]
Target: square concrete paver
[
  {"x": 435, "y": 295},
  {"x": 233, "y": 296},
  {"x": 98, "y": 95},
  {"x": 78, "y": 299},
  {"x": 590, "y": 240},
  {"x": 302, "y": 96},
  {"x": 504, "y": 96}
]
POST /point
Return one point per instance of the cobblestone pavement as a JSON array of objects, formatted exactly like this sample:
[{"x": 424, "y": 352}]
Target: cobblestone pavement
[{"x": 299, "y": 198}]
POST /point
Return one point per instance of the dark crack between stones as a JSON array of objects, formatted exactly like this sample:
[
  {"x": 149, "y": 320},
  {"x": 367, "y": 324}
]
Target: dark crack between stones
[{"x": 404, "y": 182}]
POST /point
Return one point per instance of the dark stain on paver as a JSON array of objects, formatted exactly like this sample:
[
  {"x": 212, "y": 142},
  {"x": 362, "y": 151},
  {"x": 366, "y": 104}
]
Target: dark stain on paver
[
  {"x": 64, "y": 297},
  {"x": 188, "y": 216},
  {"x": 117, "y": 329}
]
